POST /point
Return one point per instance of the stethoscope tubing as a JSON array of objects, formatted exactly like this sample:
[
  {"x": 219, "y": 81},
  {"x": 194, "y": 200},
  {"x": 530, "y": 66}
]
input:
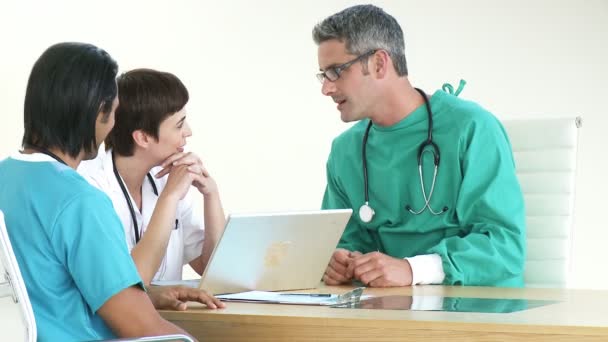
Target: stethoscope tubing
[{"x": 366, "y": 212}]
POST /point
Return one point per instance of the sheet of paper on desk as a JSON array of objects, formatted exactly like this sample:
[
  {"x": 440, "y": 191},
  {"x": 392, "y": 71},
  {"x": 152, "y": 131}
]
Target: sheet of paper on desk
[{"x": 278, "y": 298}]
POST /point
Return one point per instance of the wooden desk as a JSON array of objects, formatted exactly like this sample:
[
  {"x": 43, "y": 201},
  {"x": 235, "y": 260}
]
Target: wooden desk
[{"x": 582, "y": 315}]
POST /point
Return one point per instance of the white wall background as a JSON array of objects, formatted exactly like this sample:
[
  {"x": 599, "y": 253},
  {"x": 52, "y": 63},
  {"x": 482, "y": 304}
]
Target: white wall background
[{"x": 260, "y": 122}]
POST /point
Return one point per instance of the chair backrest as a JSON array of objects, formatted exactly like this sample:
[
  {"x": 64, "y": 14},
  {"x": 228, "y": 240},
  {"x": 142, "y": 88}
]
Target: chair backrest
[
  {"x": 13, "y": 282},
  {"x": 545, "y": 152}
]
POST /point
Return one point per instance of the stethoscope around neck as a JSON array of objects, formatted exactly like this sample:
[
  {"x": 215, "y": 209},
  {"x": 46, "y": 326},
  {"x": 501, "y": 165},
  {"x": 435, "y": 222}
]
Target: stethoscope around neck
[
  {"x": 125, "y": 193},
  {"x": 366, "y": 212},
  {"x": 136, "y": 232}
]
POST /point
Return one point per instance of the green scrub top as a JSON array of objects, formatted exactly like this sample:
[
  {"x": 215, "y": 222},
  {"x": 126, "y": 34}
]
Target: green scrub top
[{"x": 481, "y": 237}]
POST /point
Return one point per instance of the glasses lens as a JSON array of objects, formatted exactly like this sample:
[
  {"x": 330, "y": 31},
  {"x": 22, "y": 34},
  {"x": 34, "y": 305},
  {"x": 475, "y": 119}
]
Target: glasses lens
[
  {"x": 321, "y": 77},
  {"x": 332, "y": 74}
]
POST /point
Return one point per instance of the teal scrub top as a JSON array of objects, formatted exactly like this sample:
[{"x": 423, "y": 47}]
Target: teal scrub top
[{"x": 69, "y": 245}]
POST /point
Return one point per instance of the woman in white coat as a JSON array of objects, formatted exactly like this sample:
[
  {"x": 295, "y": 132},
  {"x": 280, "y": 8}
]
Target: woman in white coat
[{"x": 147, "y": 175}]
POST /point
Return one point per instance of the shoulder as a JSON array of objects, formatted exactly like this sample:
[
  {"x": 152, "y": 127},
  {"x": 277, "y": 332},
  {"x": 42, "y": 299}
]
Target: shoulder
[
  {"x": 95, "y": 171},
  {"x": 79, "y": 207},
  {"x": 85, "y": 198},
  {"x": 465, "y": 115}
]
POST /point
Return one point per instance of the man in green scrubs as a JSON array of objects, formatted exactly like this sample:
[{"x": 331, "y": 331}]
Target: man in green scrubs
[{"x": 463, "y": 225}]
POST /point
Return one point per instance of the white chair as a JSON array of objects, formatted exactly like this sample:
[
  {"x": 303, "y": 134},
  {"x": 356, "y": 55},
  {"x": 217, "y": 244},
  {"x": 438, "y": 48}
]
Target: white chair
[
  {"x": 13, "y": 285},
  {"x": 545, "y": 152}
]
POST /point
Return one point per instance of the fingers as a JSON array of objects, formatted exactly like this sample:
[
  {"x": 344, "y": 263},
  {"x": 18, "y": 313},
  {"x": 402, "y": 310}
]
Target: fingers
[
  {"x": 178, "y": 305},
  {"x": 163, "y": 172},
  {"x": 337, "y": 266},
  {"x": 380, "y": 281},
  {"x": 198, "y": 170},
  {"x": 178, "y": 182},
  {"x": 182, "y": 158},
  {"x": 332, "y": 278},
  {"x": 361, "y": 259},
  {"x": 336, "y": 276},
  {"x": 188, "y": 159},
  {"x": 380, "y": 270},
  {"x": 173, "y": 158},
  {"x": 336, "y": 272},
  {"x": 341, "y": 255},
  {"x": 360, "y": 269},
  {"x": 330, "y": 281},
  {"x": 362, "y": 264},
  {"x": 200, "y": 296},
  {"x": 371, "y": 277},
  {"x": 354, "y": 263},
  {"x": 341, "y": 261},
  {"x": 351, "y": 266}
]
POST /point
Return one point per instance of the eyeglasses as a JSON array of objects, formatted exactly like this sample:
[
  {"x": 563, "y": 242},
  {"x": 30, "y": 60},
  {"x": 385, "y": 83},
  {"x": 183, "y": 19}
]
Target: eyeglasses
[{"x": 332, "y": 74}]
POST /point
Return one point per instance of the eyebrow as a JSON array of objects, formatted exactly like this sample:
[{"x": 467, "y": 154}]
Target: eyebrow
[{"x": 181, "y": 120}]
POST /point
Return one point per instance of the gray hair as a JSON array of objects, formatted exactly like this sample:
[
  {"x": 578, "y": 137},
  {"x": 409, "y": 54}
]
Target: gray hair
[{"x": 364, "y": 28}]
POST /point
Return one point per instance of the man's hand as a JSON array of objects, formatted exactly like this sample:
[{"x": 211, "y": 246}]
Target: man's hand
[
  {"x": 380, "y": 270},
  {"x": 175, "y": 298},
  {"x": 337, "y": 270}
]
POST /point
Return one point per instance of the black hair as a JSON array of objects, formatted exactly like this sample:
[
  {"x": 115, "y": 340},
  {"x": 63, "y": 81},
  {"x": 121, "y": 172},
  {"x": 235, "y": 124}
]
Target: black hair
[
  {"x": 70, "y": 84},
  {"x": 146, "y": 98}
]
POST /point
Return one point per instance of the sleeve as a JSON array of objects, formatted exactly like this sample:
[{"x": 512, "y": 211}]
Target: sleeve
[
  {"x": 88, "y": 238},
  {"x": 490, "y": 208},
  {"x": 335, "y": 198},
  {"x": 191, "y": 221},
  {"x": 426, "y": 269}
]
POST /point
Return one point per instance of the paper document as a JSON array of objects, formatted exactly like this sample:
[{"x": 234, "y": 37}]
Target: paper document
[{"x": 281, "y": 298}]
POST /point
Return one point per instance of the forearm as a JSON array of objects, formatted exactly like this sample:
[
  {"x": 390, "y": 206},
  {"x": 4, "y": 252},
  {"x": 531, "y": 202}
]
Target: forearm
[
  {"x": 149, "y": 252},
  {"x": 164, "y": 327},
  {"x": 130, "y": 313},
  {"x": 215, "y": 221}
]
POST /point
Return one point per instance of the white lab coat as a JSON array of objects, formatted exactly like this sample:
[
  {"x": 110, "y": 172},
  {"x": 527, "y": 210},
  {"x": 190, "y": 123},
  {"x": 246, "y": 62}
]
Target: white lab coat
[{"x": 185, "y": 243}]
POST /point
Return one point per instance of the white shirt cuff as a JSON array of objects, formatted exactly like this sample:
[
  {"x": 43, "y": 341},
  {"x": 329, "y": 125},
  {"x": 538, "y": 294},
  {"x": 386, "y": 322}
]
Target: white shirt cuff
[{"x": 426, "y": 269}]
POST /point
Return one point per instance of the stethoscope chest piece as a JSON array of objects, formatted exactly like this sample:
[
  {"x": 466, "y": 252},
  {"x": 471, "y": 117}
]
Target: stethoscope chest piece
[{"x": 366, "y": 213}]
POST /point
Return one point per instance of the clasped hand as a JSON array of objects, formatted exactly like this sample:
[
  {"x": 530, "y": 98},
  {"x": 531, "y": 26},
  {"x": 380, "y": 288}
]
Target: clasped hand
[
  {"x": 185, "y": 169},
  {"x": 373, "y": 269}
]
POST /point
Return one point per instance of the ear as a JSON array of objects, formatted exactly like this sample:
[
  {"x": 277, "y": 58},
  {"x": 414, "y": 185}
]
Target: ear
[
  {"x": 141, "y": 138},
  {"x": 381, "y": 62}
]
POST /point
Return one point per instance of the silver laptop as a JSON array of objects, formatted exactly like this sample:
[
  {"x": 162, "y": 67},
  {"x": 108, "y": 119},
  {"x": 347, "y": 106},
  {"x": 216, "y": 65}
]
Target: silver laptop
[{"x": 276, "y": 251}]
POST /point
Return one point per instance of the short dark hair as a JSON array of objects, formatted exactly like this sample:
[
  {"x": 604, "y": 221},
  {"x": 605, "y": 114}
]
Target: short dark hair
[
  {"x": 146, "y": 98},
  {"x": 69, "y": 85},
  {"x": 364, "y": 28}
]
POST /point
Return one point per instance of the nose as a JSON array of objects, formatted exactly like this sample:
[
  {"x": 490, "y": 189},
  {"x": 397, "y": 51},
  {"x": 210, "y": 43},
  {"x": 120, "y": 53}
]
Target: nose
[
  {"x": 328, "y": 87},
  {"x": 187, "y": 130}
]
